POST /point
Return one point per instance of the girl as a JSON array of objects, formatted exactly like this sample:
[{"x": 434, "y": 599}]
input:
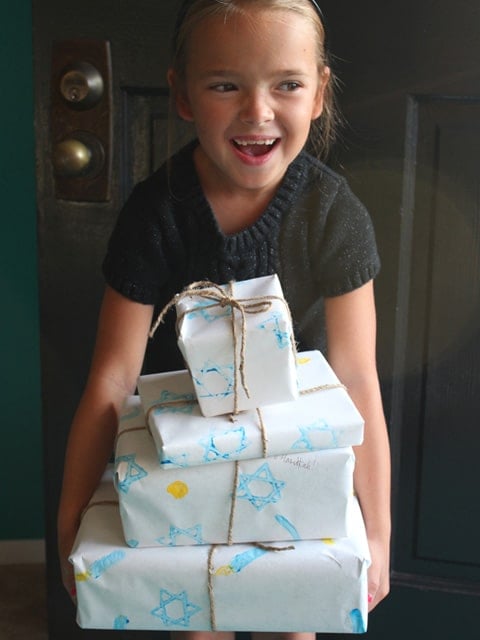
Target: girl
[{"x": 243, "y": 200}]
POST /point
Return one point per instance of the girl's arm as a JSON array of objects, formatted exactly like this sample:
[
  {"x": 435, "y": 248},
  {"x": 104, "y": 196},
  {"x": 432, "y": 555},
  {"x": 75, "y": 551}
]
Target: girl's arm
[
  {"x": 117, "y": 360},
  {"x": 351, "y": 339}
]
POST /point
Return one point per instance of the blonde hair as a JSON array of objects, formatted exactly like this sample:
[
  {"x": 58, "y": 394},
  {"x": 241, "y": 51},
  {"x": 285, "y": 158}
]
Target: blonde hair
[{"x": 323, "y": 130}]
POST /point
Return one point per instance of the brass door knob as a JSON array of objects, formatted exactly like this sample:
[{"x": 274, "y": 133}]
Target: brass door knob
[{"x": 79, "y": 155}]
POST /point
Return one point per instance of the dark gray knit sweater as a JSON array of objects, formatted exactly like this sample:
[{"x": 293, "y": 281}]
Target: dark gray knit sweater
[{"x": 314, "y": 234}]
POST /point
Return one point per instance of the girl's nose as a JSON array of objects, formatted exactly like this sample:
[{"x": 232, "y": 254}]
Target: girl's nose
[{"x": 256, "y": 109}]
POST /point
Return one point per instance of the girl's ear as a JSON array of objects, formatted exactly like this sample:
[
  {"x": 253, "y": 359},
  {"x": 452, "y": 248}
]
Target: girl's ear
[
  {"x": 182, "y": 102},
  {"x": 323, "y": 80}
]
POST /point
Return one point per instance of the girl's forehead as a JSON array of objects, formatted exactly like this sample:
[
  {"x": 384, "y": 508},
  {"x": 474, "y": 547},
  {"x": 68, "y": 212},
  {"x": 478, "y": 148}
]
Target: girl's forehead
[{"x": 259, "y": 25}]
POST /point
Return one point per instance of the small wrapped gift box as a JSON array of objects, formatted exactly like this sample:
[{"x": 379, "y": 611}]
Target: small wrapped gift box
[
  {"x": 323, "y": 417},
  {"x": 316, "y": 585},
  {"x": 237, "y": 341},
  {"x": 292, "y": 497}
]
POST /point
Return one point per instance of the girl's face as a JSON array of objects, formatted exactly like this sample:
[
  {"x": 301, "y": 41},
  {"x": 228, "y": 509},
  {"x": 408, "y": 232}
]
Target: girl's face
[{"x": 252, "y": 87}]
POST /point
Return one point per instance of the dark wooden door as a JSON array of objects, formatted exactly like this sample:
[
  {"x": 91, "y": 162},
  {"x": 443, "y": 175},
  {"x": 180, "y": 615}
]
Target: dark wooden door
[
  {"x": 411, "y": 97},
  {"x": 73, "y": 234}
]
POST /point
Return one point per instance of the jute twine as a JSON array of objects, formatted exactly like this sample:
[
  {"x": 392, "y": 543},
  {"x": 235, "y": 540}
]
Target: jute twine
[
  {"x": 211, "y": 574},
  {"x": 211, "y": 552},
  {"x": 129, "y": 430},
  {"x": 222, "y": 298},
  {"x": 183, "y": 402},
  {"x": 233, "y": 502}
]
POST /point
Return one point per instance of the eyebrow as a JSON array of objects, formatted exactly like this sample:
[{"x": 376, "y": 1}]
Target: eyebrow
[{"x": 229, "y": 73}]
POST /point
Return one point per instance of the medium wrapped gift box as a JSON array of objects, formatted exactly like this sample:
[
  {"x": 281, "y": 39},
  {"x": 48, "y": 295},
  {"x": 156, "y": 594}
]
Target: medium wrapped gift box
[
  {"x": 323, "y": 417},
  {"x": 300, "y": 496},
  {"x": 316, "y": 585},
  {"x": 237, "y": 341}
]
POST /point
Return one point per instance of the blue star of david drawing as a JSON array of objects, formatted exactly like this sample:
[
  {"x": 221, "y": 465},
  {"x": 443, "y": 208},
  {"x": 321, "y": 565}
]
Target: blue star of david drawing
[
  {"x": 305, "y": 442},
  {"x": 273, "y": 324},
  {"x": 264, "y": 476},
  {"x": 214, "y": 381},
  {"x": 179, "y": 462},
  {"x": 172, "y": 601},
  {"x": 193, "y": 533},
  {"x": 213, "y": 452},
  {"x": 169, "y": 396},
  {"x": 134, "y": 472}
]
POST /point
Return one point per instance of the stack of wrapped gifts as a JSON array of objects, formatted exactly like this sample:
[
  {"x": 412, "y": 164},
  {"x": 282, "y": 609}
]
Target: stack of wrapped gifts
[{"x": 230, "y": 503}]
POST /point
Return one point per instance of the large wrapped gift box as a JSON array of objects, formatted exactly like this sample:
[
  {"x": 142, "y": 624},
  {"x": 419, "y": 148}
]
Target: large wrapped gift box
[
  {"x": 297, "y": 496},
  {"x": 316, "y": 585},
  {"x": 323, "y": 417},
  {"x": 237, "y": 341}
]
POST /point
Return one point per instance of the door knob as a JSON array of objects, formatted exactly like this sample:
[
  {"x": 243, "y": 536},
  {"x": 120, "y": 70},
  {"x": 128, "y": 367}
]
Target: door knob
[
  {"x": 81, "y": 154},
  {"x": 81, "y": 85},
  {"x": 81, "y": 120}
]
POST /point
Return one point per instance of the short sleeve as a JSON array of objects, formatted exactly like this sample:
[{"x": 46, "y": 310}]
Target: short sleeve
[
  {"x": 135, "y": 263},
  {"x": 343, "y": 250}
]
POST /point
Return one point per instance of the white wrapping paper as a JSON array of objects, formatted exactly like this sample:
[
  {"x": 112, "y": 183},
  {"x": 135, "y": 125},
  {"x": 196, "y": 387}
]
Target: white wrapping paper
[
  {"x": 292, "y": 497},
  {"x": 212, "y": 347},
  {"x": 315, "y": 586},
  {"x": 322, "y": 419}
]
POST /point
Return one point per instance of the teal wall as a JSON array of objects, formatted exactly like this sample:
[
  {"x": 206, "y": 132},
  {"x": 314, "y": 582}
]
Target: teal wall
[{"x": 21, "y": 490}]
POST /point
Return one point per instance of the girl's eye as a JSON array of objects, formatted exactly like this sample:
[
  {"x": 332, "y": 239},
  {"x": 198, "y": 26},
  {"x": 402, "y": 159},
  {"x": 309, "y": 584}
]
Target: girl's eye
[
  {"x": 223, "y": 87},
  {"x": 290, "y": 85}
]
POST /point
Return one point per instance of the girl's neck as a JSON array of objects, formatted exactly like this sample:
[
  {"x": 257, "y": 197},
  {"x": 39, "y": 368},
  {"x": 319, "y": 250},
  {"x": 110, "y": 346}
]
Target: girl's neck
[{"x": 234, "y": 209}]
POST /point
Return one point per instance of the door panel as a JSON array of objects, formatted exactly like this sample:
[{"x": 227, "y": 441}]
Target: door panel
[
  {"x": 411, "y": 95},
  {"x": 411, "y": 98},
  {"x": 147, "y": 133},
  {"x": 73, "y": 235},
  {"x": 451, "y": 372}
]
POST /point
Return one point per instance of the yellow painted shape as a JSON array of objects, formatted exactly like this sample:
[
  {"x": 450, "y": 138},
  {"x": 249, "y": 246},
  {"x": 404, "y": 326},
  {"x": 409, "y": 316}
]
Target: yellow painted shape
[
  {"x": 329, "y": 541},
  {"x": 303, "y": 360},
  {"x": 82, "y": 577},
  {"x": 226, "y": 570},
  {"x": 177, "y": 489}
]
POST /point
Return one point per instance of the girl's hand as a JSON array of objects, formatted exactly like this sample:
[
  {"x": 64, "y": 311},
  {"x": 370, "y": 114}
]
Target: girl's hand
[
  {"x": 378, "y": 572},
  {"x": 65, "y": 545}
]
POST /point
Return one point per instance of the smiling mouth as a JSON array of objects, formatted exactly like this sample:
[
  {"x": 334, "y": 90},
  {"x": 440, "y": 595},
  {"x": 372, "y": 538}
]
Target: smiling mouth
[{"x": 255, "y": 147}]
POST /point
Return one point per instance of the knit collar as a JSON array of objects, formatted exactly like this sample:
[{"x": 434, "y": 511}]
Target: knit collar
[{"x": 194, "y": 202}]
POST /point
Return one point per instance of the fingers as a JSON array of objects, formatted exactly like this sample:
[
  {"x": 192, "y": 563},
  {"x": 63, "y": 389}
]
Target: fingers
[
  {"x": 378, "y": 588},
  {"x": 68, "y": 580}
]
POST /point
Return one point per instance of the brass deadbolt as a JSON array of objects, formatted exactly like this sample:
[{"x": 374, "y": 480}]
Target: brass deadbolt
[{"x": 81, "y": 85}]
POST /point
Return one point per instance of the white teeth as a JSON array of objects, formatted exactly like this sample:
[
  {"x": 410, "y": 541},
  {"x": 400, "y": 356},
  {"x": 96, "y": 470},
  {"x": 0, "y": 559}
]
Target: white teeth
[{"x": 246, "y": 143}]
